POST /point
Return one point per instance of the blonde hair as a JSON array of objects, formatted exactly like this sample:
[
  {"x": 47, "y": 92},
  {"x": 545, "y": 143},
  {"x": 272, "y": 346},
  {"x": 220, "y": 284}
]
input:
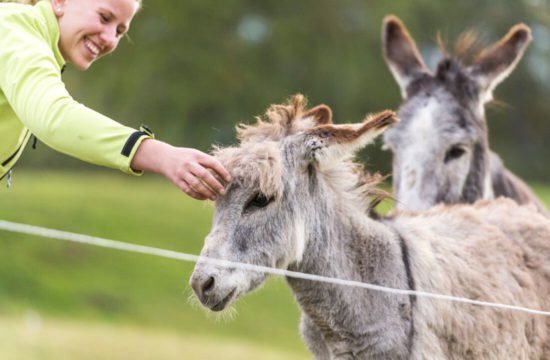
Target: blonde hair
[{"x": 33, "y": 2}]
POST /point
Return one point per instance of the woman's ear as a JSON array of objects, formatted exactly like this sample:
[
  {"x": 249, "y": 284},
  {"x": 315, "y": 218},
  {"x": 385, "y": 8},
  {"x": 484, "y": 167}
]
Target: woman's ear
[{"x": 58, "y": 7}]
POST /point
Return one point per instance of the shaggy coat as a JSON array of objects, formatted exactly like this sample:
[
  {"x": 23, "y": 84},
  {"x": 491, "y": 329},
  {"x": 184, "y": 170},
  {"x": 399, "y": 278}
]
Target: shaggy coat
[{"x": 298, "y": 202}]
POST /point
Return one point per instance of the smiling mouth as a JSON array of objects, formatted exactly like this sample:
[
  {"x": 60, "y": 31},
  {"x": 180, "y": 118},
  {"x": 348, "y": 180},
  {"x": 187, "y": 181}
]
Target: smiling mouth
[
  {"x": 222, "y": 304},
  {"x": 92, "y": 48}
]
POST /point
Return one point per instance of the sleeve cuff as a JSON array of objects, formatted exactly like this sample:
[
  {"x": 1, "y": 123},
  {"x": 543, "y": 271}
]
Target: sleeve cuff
[{"x": 132, "y": 144}]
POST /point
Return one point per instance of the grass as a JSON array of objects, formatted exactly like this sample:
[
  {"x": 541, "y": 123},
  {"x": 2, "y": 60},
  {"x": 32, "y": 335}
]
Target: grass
[
  {"x": 89, "y": 285},
  {"x": 34, "y": 338},
  {"x": 543, "y": 192},
  {"x": 61, "y": 300}
]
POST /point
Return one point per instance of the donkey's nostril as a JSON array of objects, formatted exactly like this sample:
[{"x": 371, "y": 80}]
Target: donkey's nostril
[{"x": 208, "y": 285}]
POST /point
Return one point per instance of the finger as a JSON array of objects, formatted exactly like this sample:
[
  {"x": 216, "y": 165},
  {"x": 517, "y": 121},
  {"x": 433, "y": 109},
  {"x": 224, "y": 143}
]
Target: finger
[
  {"x": 212, "y": 163},
  {"x": 199, "y": 186},
  {"x": 186, "y": 188},
  {"x": 210, "y": 180}
]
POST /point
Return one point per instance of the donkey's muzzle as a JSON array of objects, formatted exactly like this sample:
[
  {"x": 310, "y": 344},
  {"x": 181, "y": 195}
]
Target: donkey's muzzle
[{"x": 209, "y": 294}]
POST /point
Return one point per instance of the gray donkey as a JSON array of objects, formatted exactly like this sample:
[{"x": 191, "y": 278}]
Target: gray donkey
[
  {"x": 440, "y": 148},
  {"x": 297, "y": 201}
]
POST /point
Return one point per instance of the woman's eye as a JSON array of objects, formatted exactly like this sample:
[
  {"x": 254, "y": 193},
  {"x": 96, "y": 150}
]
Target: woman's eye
[
  {"x": 104, "y": 18},
  {"x": 454, "y": 153},
  {"x": 258, "y": 201}
]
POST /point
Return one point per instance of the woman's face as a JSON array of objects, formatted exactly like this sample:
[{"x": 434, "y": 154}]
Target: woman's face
[{"x": 91, "y": 29}]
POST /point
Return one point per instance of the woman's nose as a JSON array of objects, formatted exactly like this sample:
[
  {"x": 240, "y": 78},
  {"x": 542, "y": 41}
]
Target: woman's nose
[{"x": 110, "y": 40}]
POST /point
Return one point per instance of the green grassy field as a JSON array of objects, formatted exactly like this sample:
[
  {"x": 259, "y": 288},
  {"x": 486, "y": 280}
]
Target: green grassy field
[
  {"x": 61, "y": 300},
  {"x": 40, "y": 338},
  {"x": 86, "y": 291}
]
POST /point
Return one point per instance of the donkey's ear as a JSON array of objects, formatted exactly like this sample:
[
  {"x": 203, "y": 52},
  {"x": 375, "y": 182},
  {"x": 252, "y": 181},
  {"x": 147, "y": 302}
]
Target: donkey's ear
[
  {"x": 321, "y": 115},
  {"x": 401, "y": 53},
  {"x": 497, "y": 62},
  {"x": 327, "y": 143}
]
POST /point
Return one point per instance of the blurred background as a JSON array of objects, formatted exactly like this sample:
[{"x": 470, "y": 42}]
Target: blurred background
[{"x": 192, "y": 70}]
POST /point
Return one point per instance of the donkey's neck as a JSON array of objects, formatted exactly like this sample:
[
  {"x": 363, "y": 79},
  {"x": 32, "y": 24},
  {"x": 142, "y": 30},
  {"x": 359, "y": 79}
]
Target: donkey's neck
[
  {"x": 337, "y": 245},
  {"x": 349, "y": 245}
]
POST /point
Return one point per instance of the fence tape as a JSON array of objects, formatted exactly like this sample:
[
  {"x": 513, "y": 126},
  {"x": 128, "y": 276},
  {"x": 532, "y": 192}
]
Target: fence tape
[{"x": 123, "y": 246}]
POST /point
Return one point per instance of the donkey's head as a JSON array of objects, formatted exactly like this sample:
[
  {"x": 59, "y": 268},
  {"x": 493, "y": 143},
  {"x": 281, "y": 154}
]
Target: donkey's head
[
  {"x": 280, "y": 175},
  {"x": 440, "y": 147}
]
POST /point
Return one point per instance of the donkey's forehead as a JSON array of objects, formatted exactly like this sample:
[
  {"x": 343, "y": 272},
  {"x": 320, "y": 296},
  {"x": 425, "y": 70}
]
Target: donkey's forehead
[
  {"x": 452, "y": 78},
  {"x": 433, "y": 119},
  {"x": 254, "y": 164}
]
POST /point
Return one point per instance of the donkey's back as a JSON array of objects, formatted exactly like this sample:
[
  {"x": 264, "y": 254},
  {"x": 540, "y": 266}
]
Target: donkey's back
[
  {"x": 507, "y": 184},
  {"x": 494, "y": 251}
]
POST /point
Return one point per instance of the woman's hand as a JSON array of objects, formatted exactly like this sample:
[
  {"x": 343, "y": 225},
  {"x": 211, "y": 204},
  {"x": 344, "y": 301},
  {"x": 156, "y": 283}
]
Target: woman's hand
[{"x": 199, "y": 175}]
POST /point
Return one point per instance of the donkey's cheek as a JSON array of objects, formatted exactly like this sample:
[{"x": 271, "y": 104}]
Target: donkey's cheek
[{"x": 241, "y": 245}]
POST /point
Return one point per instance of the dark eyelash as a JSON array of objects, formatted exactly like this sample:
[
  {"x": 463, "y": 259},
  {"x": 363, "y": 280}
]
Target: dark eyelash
[
  {"x": 106, "y": 19},
  {"x": 454, "y": 153},
  {"x": 258, "y": 201}
]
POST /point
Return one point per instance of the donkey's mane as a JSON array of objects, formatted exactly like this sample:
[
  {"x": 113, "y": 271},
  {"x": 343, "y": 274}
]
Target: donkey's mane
[
  {"x": 356, "y": 185},
  {"x": 278, "y": 121},
  {"x": 467, "y": 49},
  {"x": 452, "y": 68},
  {"x": 257, "y": 163},
  {"x": 257, "y": 157}
]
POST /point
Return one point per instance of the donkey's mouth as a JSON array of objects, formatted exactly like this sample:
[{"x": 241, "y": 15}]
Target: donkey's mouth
[{"x": 222, "y": 304}]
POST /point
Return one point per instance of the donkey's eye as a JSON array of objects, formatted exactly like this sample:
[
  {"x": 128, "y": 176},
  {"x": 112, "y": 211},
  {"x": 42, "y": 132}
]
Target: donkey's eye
[
  {"x": 258, "y": 201},
  {"x": 454, "y": 153}
]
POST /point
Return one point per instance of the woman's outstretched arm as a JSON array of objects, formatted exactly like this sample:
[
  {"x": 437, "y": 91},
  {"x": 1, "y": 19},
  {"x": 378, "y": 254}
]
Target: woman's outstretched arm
[{"x": 199, "y": 175}]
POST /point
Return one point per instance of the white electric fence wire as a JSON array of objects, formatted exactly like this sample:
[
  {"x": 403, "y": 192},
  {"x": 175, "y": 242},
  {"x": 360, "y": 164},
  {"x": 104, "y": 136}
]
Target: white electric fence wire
[{"x": 112, "y": 244}]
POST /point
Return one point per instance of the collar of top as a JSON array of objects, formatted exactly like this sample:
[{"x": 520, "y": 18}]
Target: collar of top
[{"x": 45, "y": 9}]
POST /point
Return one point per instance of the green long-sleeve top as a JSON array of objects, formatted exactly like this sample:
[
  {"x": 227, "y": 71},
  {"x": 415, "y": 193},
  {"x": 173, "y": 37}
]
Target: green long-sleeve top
[{"x": 33, "y": 97}]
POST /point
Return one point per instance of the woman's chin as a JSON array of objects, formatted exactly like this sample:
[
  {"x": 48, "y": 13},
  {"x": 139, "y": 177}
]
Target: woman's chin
[{"x": 82, "y": 63}]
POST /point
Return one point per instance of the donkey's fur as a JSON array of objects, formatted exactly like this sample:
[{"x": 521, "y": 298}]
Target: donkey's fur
[
  {"x": 298, "y": 202},
  {"x": 441, "y": 151}
]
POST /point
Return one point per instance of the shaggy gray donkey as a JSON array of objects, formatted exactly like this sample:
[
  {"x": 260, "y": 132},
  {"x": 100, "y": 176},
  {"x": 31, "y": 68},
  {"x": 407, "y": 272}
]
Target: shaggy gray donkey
[
  {"x": 297, "y": 201},
  {"x": 440, "y": 147}
]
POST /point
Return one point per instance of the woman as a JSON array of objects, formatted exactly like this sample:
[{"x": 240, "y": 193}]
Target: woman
[{"x": 35, "y": 44}]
